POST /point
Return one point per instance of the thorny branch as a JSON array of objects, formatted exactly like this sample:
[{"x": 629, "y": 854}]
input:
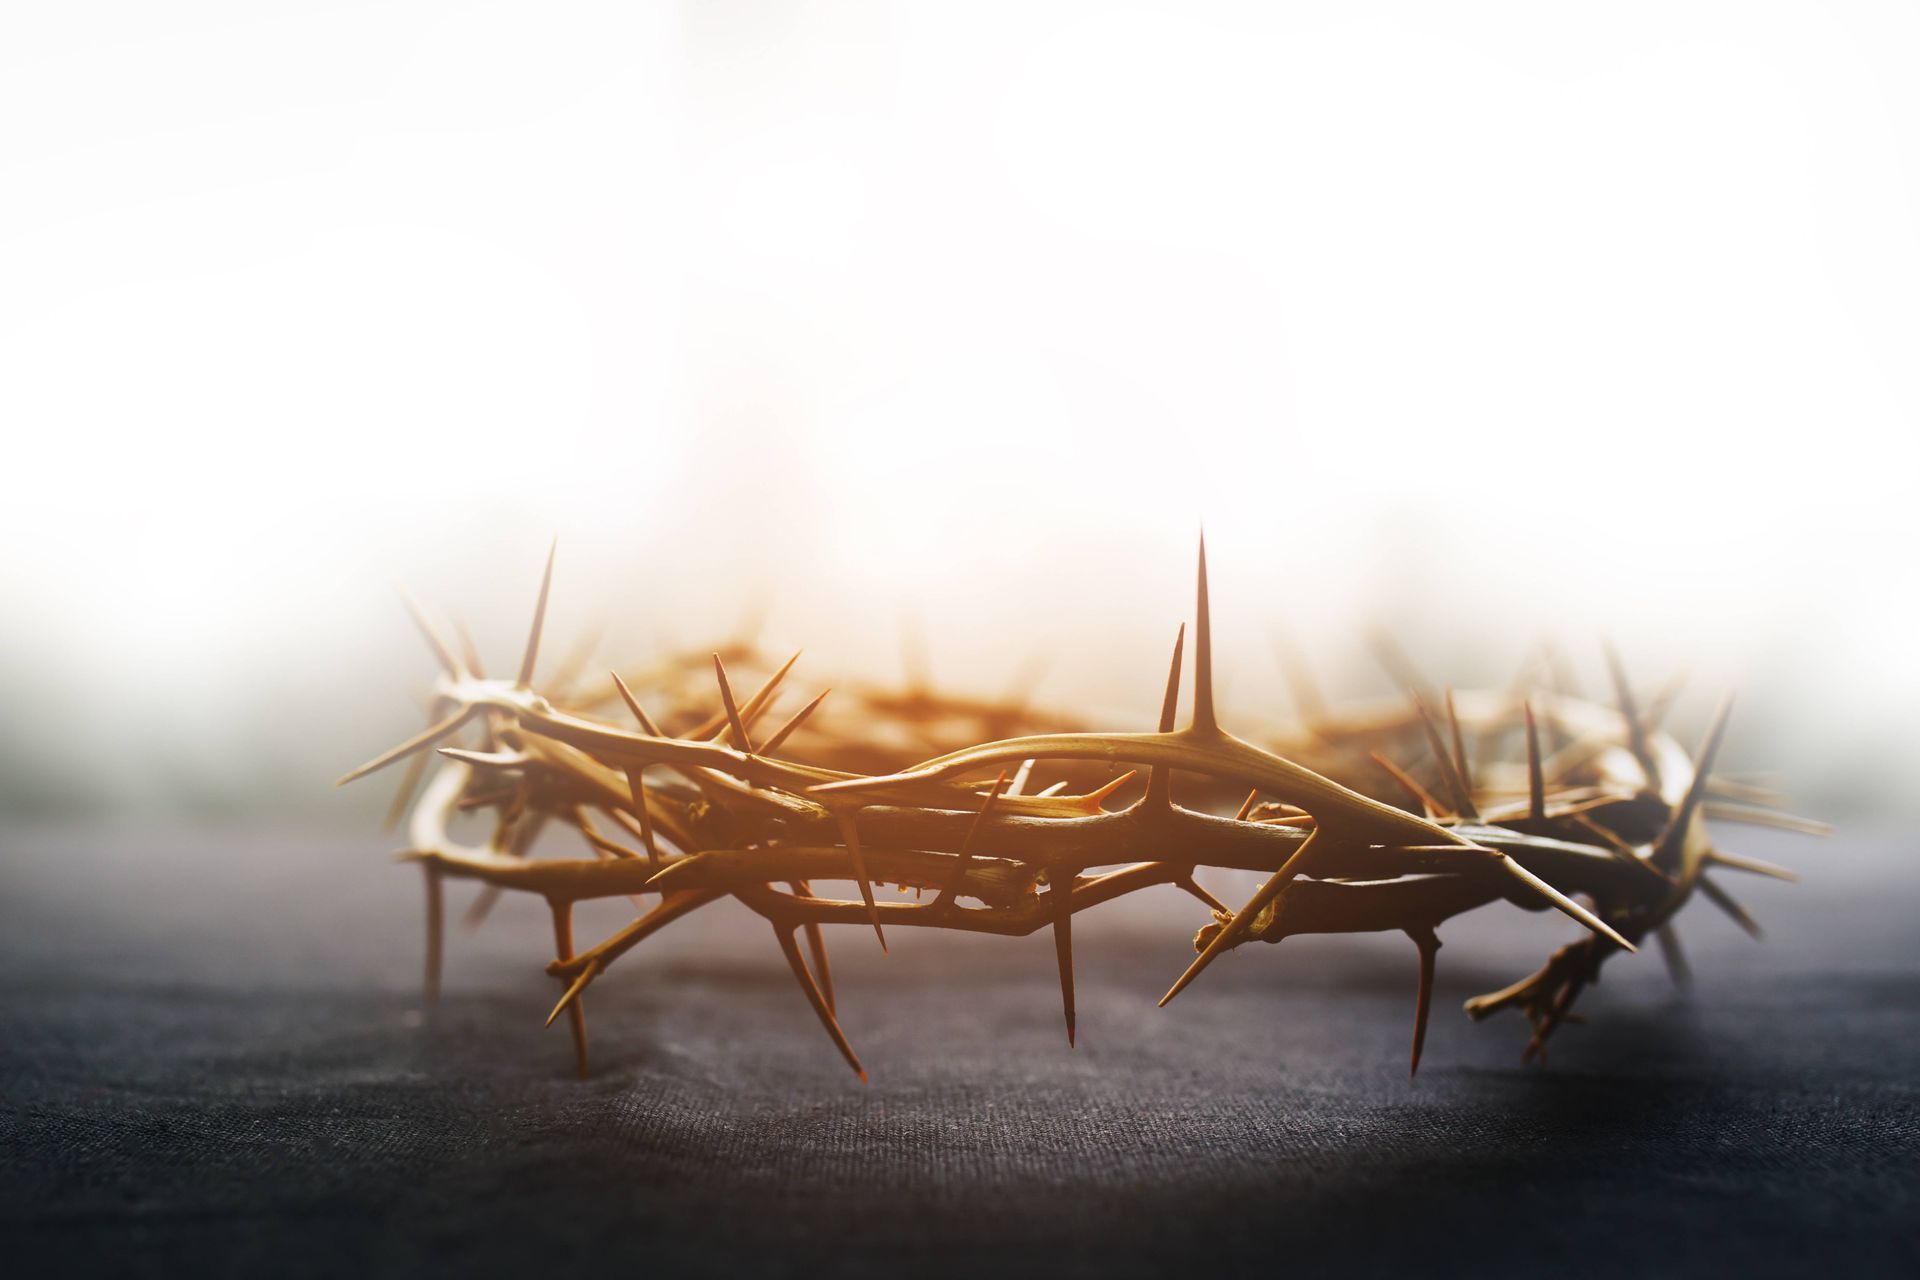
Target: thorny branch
[{"x": 1601, "y": 815}]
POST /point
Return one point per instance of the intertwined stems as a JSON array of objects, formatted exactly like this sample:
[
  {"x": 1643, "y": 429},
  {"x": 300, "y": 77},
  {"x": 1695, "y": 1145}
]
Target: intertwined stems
[{"x": 727, "y": 818}]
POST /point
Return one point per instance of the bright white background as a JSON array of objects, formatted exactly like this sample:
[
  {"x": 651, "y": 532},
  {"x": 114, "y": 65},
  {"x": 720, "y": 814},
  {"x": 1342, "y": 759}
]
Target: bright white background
[{"x": 1477, "y": 320}]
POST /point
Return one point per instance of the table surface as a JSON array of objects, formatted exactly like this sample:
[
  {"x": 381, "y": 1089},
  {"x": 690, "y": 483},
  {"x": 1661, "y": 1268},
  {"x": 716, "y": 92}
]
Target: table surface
[{"x": 213, "y": 1055}]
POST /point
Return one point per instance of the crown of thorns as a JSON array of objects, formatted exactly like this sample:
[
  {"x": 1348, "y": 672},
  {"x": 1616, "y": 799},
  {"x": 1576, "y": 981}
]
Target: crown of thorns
[{"x": 1379, "y": 819}]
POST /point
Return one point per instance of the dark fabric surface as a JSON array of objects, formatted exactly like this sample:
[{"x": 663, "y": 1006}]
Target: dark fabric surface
[{"x": 214, "y": 1060}]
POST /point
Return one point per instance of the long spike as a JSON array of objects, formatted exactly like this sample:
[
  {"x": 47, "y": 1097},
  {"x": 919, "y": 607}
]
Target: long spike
[
  {"x": 1630, "y": 712},
  {"x": 563, "y": 950},
  {"x": 435, "y": 641},
  {"x": 821, "y": 1008},
  {"x": 751, "y": 709},
  {"x": 740, "y": 738},
  {"x": 1670, "y": 950},
  {"x": 799, "y": 718},
  {"x": 426, "y": 738},
  {"x": 532, "y": 655},
  {"x": 1063, "y": 943},
  {"x": 965, "y": 857},
  {"x": 1204, "y": 720},
  {"x": 403, "y": 794},
  {"x": 1159, "y": 778},
  {"x": 817, "y": 948},
  {"x": 1725, "y": 901},
  {"x": 1460, "y": 763},
  {"x": 1246, "y": 806},
  {"x": 1231, "y": 932},
  {"x": 637, "y": 788},
  {"x": 647, "y": 725},
  {"x": 1019, "y": 784},
  {"x": 1668, "y": 848},
  {"x": 1457, "y": 793},
  {"x": 580, "y": 982},
  {"x": 1752, "y": 866},
  {"x": 1431, "y": 806},
  {"x": 1427, "y": 944},
  {"x": 850, "y": 836},
  {"x": 1536, "y": 782},
  {"x": 1564, "y": 903}
]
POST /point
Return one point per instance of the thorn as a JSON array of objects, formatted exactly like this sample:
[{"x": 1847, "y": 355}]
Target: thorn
[
  {"x": 1668, "y": 849},
  {"x": 817, "y": 948},
  {"x": 532, "y": 654},
  {"x": 799, "y": 717},
  {"x": 563, "y": 951},
  {"x": 1020, "y": 775},
  {"x": 1562, "y": 901},
  {"x": 1636, "y": 730},
  {"x": 1055, "y": 788},
  {"x": 637, "y": 789},
  {"x": 1105, "y": 789},
  {"x": 750, "y": 709},
  {"x": 1536, "y": 783},
  {"x": 1677, "y": 967},
  {"x": 1159, "y": 777},
  {"x": 469, "y": 651},
  {"x": 1427, "y": 944},
  {"x": 1459, "y": 746},
  {"x": 1232, "y": 931},
  {"x": 1063, "y": 944},
  {"x": 740, "y": 738},
  {"x": 1753, "y": 866},
  {"x": 1246, "y": 806},
  {"x": 791, "y": 951},
  {"x": 965, "y": 856},
  {"x": 1725, "y": 901},
  {"x": 1426, "y": 802},
  {"x": 1456, "y": 785},
  {"x": 435, "y": 641},
  {"x": 647, "y": 725},
  {"x": 850, "y": 836},
  {"x": 1204, "y": 720},
  {"x": 403, "y": 795},
  {"x": 426, "y": 738},
  {"x": 573, "y": 992}
]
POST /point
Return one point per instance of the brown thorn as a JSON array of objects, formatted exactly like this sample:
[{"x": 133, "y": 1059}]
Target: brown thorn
[
  {"x": 1231, "y": 932},
  {"x": 1457, "y": 793},
  {"x": 1063, "y": 941},
  {"x": 1725, "y": 901},
  {"x": 1668, "y": 848},
  {"x": 532, "y": 654},
  {"x": 580, "y": 982},
  {"x": 646, "y": 723},
  {"x": 1752, "y": 866},
  {"x": 1159, "y": 777},
  {"x": 799, "y": 717},
  {"x": 1459, "y": 745},
  {"x": 1204, "y": 720},
  {"x": 850, "y": 836},
  {"x": 637, "y": 789},
  {"x": 1562, "y": 901},
  {"x": 1670, "y": 951},
  {"x": 1427, "y": 944},
  {"x": 740, "y": 738},
  {"x": 1536, "y": 783},
  {"x": 1630, "y": 712},
  {"x": 791, "y": 951},
  {"x": 1432, "y": 807},
  {"x": 426, "y": 738},
  {"x": 1246, "y": 806},
  {"x": 435, "y": 641},
  {"x": 964, "y": 859},
  {"x": 563, "y": 951}
]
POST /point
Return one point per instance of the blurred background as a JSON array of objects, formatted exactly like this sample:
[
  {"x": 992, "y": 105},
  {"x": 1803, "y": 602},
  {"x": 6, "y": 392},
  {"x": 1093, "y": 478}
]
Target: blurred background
[{"x": 942, "y": 329}]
